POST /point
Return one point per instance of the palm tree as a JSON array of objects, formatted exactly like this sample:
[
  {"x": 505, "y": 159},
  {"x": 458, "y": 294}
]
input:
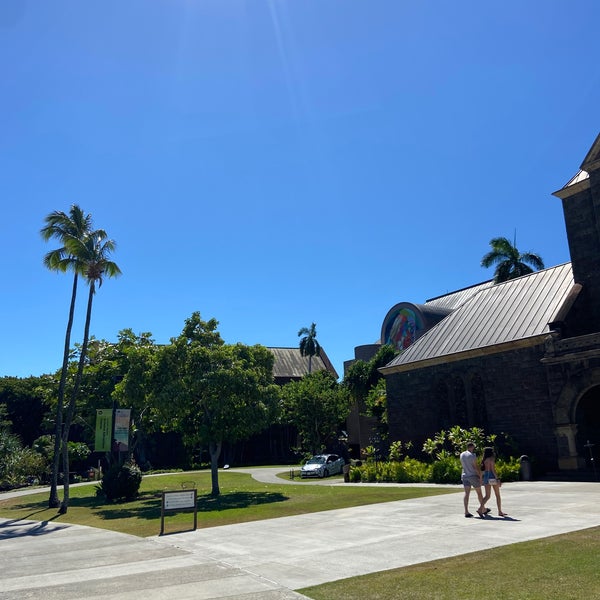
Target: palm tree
[
  {"x": 308, "y": 344},
  {"x": 510, "y": 263},
  {"x": 64, "y": 227},
  {"x": 93, "y": 253}
]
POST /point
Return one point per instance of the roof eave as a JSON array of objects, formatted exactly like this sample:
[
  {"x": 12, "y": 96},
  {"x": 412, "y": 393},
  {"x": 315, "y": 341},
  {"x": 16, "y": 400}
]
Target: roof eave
[{"x": 466, "y": 354}]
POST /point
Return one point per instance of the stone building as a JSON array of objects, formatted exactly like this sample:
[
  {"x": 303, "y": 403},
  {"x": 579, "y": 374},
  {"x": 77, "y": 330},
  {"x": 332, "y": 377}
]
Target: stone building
[{"x": 521, "y": 357}]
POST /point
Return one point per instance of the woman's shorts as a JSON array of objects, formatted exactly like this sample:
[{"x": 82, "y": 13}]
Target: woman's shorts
[{"x": 489, "y": 478}]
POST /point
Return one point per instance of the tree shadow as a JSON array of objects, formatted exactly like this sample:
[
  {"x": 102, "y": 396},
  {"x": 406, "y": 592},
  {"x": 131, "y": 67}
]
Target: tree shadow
[
  {"x": 148, "y": 506},
  {"x": 12, "y": 528}
]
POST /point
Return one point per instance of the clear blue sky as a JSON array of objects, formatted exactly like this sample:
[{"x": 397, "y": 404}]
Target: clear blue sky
[{"x": 274, "y": 163}]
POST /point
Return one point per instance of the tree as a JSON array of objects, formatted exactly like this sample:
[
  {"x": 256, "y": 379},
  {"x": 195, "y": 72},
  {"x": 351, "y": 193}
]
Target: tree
[
  {"x": 65, "y": 228},
  {"x": 308, "y": 344},
  {"x": 92, "y": 254},
  {"x": 210, "y": 391},
  {"x": 510, "y": 263},
  {"x": 318, "y": 406}
]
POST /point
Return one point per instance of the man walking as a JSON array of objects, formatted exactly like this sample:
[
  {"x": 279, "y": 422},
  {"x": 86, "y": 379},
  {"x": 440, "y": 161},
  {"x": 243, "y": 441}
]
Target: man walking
[{"x": 471, "y": 477}]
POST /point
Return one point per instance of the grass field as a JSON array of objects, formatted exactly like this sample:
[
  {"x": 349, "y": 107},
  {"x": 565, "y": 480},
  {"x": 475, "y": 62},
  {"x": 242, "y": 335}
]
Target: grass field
[{"x": 242, "y": 499}]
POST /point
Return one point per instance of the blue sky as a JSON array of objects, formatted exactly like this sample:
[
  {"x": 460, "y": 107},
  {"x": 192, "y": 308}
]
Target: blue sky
[{"x": 273, "y": 163}]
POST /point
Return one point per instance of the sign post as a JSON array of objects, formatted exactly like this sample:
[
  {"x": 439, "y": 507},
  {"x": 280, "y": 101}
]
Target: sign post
[{"x": 174, "y": 501}]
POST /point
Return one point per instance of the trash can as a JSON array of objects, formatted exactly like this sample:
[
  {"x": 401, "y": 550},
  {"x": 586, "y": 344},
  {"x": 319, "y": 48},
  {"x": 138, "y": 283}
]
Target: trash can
[{"x": 525, "y": 468}]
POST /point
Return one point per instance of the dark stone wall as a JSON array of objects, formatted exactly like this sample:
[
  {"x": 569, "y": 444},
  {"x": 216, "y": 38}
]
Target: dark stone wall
[
  {"x": 582, "y": 221},
  {"x": 503, "y": 393}
]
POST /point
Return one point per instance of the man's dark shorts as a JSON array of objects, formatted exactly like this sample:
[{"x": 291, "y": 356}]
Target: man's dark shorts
[{"x": 471, "y": 481}]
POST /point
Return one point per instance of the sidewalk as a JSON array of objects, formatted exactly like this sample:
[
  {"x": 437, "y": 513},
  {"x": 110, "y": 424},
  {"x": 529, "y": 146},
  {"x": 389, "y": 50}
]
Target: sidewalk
[{"x": 269, "y": 559}]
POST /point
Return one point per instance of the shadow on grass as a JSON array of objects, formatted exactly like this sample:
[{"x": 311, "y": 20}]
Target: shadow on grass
[{"x": 147, "y": 506}]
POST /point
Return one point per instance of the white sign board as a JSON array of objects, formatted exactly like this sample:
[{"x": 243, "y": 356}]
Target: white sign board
[{"x": 178, "y": 500}]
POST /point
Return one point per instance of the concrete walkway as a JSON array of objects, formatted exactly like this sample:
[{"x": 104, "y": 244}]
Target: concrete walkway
[{"x": 269, "y": 559}]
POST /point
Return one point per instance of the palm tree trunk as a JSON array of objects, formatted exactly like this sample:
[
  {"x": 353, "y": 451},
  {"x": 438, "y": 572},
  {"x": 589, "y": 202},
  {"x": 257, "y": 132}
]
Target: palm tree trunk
[
  {"x": 215, "y": 451},
  {"x": 53, "y": 500},
  {"x": 72, "y": 402}
]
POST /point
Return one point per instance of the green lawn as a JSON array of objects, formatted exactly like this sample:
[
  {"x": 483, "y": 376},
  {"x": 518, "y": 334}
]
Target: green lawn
[
  {"x": 242, "y": 499},
  {"x": 563, "y": 567}
]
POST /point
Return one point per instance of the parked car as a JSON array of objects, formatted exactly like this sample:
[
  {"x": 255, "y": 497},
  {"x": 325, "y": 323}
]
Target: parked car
[{"x": 322, "y": 465}]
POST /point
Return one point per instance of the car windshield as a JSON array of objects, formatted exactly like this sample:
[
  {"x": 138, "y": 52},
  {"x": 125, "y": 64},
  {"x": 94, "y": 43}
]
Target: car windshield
[{"x": 316, "y": 460}]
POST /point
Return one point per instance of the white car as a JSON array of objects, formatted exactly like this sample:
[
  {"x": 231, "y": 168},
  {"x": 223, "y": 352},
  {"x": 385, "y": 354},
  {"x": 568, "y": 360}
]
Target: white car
[{"x": 322, "y": 465}]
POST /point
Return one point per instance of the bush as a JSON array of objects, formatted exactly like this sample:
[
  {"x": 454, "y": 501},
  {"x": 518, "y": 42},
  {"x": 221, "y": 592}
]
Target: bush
[
  {"x": 446, "y": 470},
  {"x": 120, "y": 482},
  {"x": 508, "y": 470}
]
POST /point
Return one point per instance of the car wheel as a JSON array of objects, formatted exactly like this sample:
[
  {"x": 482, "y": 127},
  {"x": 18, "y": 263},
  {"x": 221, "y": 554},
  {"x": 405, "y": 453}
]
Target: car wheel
[{"x": 325, "y": 473}]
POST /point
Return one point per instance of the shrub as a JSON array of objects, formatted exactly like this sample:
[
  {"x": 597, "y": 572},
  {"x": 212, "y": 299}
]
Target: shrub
[
  {"x": 446, "y": 470},
  {"x": 120, "y": 482},
  {"x": 508, "y": 470}
]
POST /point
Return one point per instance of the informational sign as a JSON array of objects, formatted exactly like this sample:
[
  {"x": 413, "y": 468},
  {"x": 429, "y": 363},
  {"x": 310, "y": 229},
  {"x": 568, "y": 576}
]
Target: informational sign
[
  {"x": 179, "y": 500},
  {"x": 103, "y": 429},
  {"x": 122, "y": 416}
]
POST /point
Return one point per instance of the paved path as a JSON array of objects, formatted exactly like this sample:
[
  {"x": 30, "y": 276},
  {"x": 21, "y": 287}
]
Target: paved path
[{"x": 269, "y": 559}]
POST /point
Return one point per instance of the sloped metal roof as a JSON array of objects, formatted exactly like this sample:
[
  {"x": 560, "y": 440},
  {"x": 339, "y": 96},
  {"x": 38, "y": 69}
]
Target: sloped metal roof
[
  {"x": 290, "y": 364},
  {"x": 513, "y": 311},
  {"x": 455, "y": 299}
]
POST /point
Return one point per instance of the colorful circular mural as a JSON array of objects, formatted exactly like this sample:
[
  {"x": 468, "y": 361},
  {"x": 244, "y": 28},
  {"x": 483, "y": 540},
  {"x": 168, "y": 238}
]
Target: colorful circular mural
[{"x": 401, "y": 326}]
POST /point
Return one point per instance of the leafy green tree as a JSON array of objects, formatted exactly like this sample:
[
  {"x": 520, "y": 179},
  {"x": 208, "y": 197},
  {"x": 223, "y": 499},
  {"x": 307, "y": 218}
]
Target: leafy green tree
[
  {"x": 26, "y": 404},
  {"x": 510, "y": 263},
  {"x": 65, "y": 228},
  {"x": 318, "y": 406},
  {"x": 212, "y": 392},
  {"x": 309, "y": 346},
  {"x": 93, "y": 257}
]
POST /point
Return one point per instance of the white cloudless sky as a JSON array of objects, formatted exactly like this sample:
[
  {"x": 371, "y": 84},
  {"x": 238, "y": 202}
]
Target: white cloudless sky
[{"x": 274, "y": 163}]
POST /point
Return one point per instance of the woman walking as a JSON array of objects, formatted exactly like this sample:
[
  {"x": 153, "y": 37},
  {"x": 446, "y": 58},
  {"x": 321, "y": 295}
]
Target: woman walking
[{"x": 488, "y": 466}]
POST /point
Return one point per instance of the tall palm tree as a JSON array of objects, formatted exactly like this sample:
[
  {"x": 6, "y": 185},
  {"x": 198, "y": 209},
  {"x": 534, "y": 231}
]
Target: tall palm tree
[
  {"x": 93, "y": 253},
  {"x": 510, "y": 263},
  {"x": 308, "y": 344},
  {"x": 64, "y": 227}
]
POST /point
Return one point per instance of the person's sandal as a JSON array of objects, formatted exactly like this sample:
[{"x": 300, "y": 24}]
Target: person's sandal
[
  {"x": 468, "y": 515},
  {"x": 502, "y": 514}
]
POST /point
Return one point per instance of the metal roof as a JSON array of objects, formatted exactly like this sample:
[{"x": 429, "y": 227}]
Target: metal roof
[
  {"x": 455, "y": 299},
  {"x": 289, "y": 363},
  {"x": 516, "y": 310}
]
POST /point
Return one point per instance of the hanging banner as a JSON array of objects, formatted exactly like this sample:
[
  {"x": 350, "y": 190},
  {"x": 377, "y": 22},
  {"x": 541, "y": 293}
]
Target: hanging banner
[
  {"x": 103, "y": 429},
  {"x": 121, "y": 441}
]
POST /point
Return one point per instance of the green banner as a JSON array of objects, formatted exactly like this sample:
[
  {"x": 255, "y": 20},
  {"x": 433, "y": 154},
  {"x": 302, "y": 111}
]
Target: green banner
[{"x": 103, "y": 429}]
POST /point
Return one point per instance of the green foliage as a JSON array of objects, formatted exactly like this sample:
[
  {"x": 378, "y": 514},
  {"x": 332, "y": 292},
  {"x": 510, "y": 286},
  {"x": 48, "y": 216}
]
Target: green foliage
[
  {"x": 397, "y": 449},
  {"x": 510, "y": 263},
  {"x": 446, "y": 470},
  {"x": 209, "y": 391},
  {"x": 508, "y": 470},
  {"x": 444, "y": 448},
  {"x": 309, "y": 346},
  {"x": 408, "y": 470},
  {"x": 17, "y": 464},
  {"x": 318, "y": 406},
  {"x": 455, "y": 440},
  {"x": 120, "y": 482}
]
